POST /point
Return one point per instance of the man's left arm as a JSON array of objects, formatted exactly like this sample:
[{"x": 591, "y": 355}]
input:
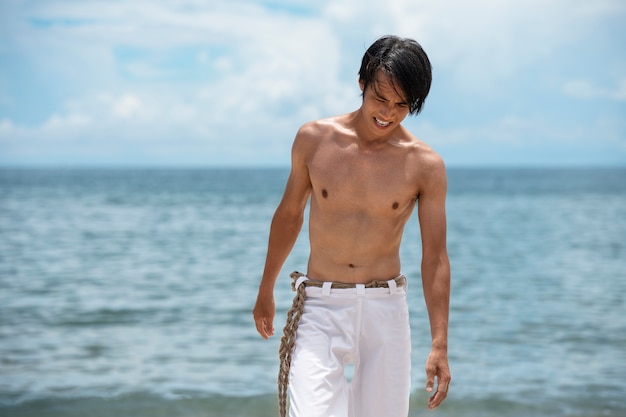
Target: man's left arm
[{"x": 436, "y": 278}]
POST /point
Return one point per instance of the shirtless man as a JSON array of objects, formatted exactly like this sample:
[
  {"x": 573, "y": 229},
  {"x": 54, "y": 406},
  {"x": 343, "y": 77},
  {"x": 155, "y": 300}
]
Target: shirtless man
[{"x": 364, "y": 173}]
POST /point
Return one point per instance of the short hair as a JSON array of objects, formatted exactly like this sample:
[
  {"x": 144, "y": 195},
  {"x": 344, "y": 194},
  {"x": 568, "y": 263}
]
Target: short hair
[{"x": 405, "y": 62}]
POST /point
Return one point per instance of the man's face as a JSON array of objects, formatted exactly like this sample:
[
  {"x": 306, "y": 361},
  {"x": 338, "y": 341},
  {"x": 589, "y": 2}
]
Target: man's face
[{"x": 383, "y": 105}]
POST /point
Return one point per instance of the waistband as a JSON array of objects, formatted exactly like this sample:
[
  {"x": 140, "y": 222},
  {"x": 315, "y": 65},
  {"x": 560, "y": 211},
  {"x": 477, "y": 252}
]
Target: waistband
[{"x": 326, "y": 286}]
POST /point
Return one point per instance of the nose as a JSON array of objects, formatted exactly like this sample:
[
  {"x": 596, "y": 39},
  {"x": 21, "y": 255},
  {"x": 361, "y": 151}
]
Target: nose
[{"x": 387, "y": 109}]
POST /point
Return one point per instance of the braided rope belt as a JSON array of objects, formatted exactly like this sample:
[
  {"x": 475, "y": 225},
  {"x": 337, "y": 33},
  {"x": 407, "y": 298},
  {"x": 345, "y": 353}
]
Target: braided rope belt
[{"x": 288, "y": 339}]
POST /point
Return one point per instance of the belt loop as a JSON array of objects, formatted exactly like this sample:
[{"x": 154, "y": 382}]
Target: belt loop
[
  {"x": 360, "y": 289},
  {"x": 393, "y": 286},
  {"x": 301, "y": 280},
  {"x": 326, "y": 286}
]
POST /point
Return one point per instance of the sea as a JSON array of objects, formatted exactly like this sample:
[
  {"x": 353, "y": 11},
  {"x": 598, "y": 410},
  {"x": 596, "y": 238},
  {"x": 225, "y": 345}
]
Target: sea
[{"x": 129, "y": 292}]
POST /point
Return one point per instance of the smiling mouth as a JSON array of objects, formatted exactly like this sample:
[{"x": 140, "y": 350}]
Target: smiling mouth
[{"x": 381, "y": 123}]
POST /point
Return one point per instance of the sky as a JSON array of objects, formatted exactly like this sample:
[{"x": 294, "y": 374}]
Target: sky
[{"x": 227, "y": 83}]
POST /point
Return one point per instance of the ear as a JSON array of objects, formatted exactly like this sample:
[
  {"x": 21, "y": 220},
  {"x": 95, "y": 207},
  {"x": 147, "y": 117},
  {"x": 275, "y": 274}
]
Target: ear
[{"x": 361, "y": 85}]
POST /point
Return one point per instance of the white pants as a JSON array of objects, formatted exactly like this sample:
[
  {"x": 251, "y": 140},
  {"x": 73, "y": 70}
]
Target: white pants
[{"x": 368, "y": 327}]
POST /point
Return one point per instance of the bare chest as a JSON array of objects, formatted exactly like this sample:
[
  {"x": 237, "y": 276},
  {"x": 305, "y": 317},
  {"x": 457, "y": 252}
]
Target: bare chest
[{"x": 358, "y": 181}]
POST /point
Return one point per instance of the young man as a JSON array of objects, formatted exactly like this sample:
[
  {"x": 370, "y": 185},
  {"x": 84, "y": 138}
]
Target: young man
[{"x": 364, "y": 173}]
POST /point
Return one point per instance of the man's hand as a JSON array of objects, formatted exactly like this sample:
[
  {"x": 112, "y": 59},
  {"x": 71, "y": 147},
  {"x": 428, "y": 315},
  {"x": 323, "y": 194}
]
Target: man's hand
[
  {"x": 264, "y": 312},
  {"x": 437, "y": 366}
]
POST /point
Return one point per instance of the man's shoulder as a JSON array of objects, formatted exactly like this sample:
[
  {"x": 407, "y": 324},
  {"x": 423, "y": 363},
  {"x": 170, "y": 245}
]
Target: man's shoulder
[
  {"x": 432, "y": 171},
  {"x": 429, "y": 167},
  {"x": 422, "y": 151},
  {"x": 319, "y": 132},
  {"x": 322, "y": 127}
]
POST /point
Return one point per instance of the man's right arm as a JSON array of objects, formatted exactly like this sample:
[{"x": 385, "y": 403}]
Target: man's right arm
[{"x": 284, "y": 230}]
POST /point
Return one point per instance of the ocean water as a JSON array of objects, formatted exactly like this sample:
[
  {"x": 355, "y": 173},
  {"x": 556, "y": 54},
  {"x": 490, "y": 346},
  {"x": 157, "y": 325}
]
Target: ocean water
[{"x": 129, "y": 293}]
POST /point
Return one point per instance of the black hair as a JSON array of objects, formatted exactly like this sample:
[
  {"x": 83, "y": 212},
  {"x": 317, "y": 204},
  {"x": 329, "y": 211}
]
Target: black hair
[{"x": 405, "y": 62}]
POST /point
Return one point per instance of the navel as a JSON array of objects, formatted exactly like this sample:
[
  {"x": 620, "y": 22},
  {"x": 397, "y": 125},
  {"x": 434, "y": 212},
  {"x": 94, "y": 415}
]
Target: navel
[
  {"x": 324, "y": 193},
  {"x": 351, "y": 265},
  {"x": 395, "y": 205}
]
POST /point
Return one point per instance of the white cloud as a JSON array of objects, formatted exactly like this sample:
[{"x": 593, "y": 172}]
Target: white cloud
[
  {"x": 7, "y": 128},
  {"x": 484, "y": 42},
  {"x": 58, "y": 123},
  {"x": 127, "y": 106},
  {"x": 221, "y": 77},
  {"x": 586, "y": 89}
]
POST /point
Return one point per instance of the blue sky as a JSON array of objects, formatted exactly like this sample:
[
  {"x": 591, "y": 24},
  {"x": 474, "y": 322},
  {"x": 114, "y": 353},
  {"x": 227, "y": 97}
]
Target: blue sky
[{"x": 208, "y": 83}]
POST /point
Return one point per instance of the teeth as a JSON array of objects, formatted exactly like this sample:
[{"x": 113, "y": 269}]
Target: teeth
[{"x": 380, "y": 123}]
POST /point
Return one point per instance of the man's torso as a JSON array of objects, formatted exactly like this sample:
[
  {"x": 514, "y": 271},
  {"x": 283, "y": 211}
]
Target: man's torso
[{"x": 362, "y": 197}]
